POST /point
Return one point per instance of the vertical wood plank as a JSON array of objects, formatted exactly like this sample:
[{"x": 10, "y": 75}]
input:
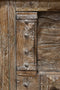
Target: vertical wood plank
[
  {"x": 0, "y": 54},
  {"x": 4, "y": 70},
  {"x": 12, "y": 56}
]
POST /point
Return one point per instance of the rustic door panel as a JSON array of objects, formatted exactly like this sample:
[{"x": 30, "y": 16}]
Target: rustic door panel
[
  {"x": 50, "y": 81},
  {"x": 26, "y": 34},
  {"x": 27, "y": 83},
  {"x": 49, "y": 41}
]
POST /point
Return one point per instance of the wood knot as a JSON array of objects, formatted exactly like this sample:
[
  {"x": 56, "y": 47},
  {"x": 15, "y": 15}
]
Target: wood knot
[{"x": 54, "y": 88}]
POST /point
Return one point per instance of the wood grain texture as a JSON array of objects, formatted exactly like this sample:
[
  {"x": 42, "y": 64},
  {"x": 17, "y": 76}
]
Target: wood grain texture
[
  {"x": 49, "y": 41},
  {"x": 12, "y": 51},
  {"x": 54, "y": 5},
  {"x": 1, "y": 64},
  {"x": 50, "y": 81},
  {"x": 26, "y": 15},
  {"x": 26, "y": 73},
  {"x": 26, "y": 57},
  {"x": 28, "y": 83},
  {"x": 18, "y": 63},
  {"x": 37, "y": 5},
  {"x": 4, "y": 65},
  {"x": 31, "y": 5}
]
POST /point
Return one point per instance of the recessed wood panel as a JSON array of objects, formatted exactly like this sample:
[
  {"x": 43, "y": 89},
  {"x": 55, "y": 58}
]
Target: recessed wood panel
[
  {"x": 26, "y": 34},
  {"x": 50, "y": 81},
  {"x": 49, "y": 41}
]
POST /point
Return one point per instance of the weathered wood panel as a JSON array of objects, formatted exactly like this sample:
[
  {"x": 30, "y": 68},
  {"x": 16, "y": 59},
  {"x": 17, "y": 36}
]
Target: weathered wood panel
[
  {"x": 26, "y": 73},
  {"x": 12, "y": 46},
  {"x": 28, "y": 83},
  {"x": 31, "y": 6},
  {"x": 37, "y": 5},
  {"x": 54, "y": 5},
  {"x": 25, "y": 77},
  {"x": 49, "y": 41},
  {"x": 0, "y": 54},
  {"x": 4, "y": 65},
  {"x": 26, "y": 15},
  {"x": 26, "y": 34},
  {"x": 50, "y": 81}
]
